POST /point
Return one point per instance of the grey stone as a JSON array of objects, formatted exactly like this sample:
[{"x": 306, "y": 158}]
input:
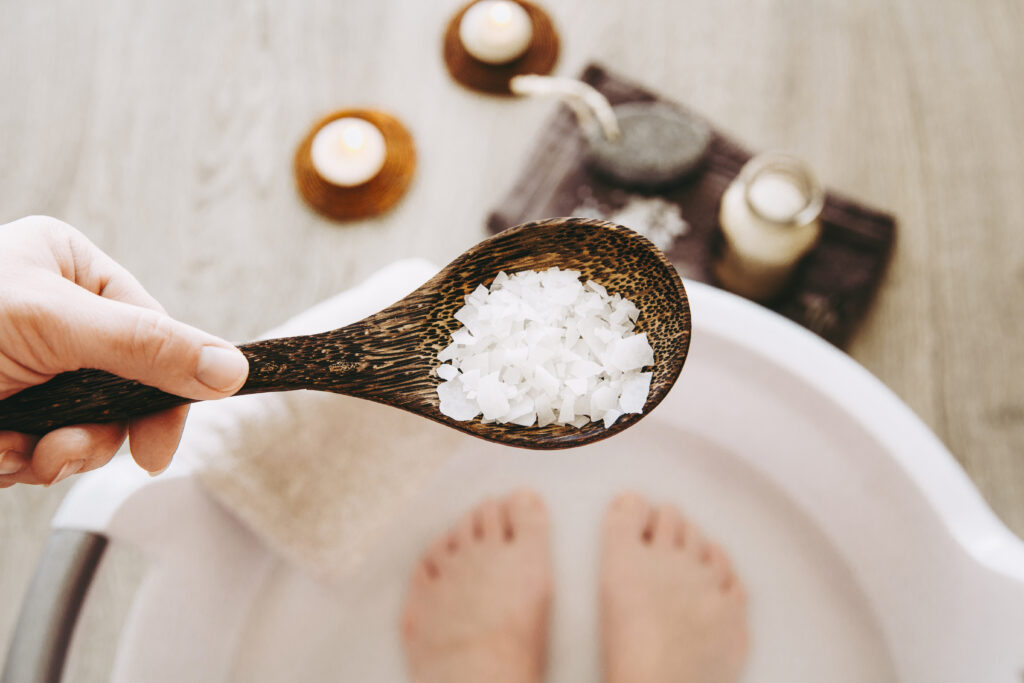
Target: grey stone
[{"x": 659, "y": 146}]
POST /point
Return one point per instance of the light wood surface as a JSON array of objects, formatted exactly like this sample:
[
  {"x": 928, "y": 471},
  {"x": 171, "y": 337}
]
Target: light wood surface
[{"x": 165, "y": 131}]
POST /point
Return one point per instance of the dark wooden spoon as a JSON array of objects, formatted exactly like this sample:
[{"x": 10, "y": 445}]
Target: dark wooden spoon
[{"x": 390, "y": 356}]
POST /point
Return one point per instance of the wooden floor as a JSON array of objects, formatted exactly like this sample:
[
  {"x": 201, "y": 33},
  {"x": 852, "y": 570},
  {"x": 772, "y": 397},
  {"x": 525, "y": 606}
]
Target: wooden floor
[{"x": 165, "y": 131}]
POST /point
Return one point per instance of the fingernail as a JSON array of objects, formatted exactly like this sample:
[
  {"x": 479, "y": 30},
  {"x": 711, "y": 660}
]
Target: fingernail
[
  {"x": 221, "y": 369},
  {"x": 157, "y": 473},
  {"x": 70, "y": 467},
  {"x": 11, "y": 462}
]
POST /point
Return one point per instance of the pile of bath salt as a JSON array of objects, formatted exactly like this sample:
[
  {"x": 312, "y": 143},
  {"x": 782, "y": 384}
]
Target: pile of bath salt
[{"x": 538, "y": 348}]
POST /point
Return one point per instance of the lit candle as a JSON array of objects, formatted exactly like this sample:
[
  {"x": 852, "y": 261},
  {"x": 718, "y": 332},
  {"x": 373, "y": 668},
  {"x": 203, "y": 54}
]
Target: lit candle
[
  {"x": 770, "y": 217},
  {"x": 349, "y": 151},
  {"x": 496, "y": 31}
]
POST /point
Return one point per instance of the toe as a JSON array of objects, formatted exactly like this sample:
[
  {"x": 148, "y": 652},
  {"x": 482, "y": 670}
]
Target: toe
[
  {"x": 667, "y": 522},
  {"x": 465, "y": 531},
  {"x": 526, "y": 515},
  {"x": 630, "y": 516},
  {"x": 409, "y": 624},
  {"x": 704, "y": 551},
  {"x": 428, "y": 569},
  {"x": 487, "y": 522},
  {"x": 682, "y": 533},
  {"x": 715, "y": 557},
  {"x": 721, "y": 566},
  {"x": 693, "y": 541},
  {"x": 424, "y": 572},
  {"x": 438, "y": 555},
  {"x": 735, "y": 589},
  {"x": 452, "y": 543}
]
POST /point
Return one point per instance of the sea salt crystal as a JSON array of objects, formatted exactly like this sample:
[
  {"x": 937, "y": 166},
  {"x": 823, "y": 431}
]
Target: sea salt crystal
[
  {"x": 631, "y": 353},
  {"x": 447, "y": 372},
  {"x": 538, "y": 348},
  {"x": 457, "y": 405},
  {"x": 634, "y": 393}
]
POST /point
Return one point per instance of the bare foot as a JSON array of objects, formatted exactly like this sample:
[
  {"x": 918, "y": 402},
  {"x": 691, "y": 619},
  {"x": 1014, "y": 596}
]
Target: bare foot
[
  {"x": 672, "y": 611},
  {"x": 477, "y": 607}
]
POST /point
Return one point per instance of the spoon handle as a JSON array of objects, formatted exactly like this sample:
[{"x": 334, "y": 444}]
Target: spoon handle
[{"x": 91, "y": 396}]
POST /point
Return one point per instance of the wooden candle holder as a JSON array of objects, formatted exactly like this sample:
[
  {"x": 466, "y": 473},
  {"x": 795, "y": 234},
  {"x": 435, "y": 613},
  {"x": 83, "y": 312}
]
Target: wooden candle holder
[
  {"x": 540, "y": 57},
  {"x": 374, "y": 196}
]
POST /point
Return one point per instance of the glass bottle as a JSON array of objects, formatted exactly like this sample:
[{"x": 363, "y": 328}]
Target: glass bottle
[{"x": 770, "y": 218}]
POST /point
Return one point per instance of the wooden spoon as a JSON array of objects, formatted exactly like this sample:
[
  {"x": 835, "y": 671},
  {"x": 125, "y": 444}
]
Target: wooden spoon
[{"x": 390, "y": 356}]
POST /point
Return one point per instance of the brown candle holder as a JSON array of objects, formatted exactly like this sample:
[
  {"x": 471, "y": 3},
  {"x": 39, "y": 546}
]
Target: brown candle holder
[
  {"x": 374, "y": 196},
  {"x": 540, "y": 57}
]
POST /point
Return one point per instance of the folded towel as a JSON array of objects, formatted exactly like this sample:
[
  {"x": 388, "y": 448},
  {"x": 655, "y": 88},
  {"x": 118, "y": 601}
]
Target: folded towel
[{"x": 315, "y": 475}]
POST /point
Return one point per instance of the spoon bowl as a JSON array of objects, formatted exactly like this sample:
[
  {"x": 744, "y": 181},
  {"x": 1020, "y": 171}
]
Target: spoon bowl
[{"x": 390, "y": 356}]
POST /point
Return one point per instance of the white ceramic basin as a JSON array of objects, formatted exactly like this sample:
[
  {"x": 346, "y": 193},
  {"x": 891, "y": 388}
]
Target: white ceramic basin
[{"x": 868, "y": 554}]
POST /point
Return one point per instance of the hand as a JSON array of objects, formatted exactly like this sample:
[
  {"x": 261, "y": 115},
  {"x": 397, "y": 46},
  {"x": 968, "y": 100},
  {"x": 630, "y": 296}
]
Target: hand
[{"x": 65, "y": 305}]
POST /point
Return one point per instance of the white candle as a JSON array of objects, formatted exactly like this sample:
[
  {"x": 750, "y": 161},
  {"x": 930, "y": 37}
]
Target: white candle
[
  {"x": 496, "y": 31},
  {"x": 770, "y": 218},
  {"x": 349, "y": 151}
]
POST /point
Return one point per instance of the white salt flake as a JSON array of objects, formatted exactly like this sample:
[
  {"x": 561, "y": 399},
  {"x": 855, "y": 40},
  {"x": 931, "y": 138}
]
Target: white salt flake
[
  {"x": 631, "y": 353},
  {"x": 634, "y": 393},
  {"x": 538, "y": 348},
  {"x": 491, "y": 396},
  {"x": 526, "y": 420},
  {"x": 603, "y": 399},
  {"x": 454, "y": 402},
  {"x": 447, "y": 372},
  {"x": 584, "y": 368},
  {"x": 545, "y": 416},
  {"x": 463, "y": 337},
  {"x": 610, "y": 416},
  {"x": 577, "y": 385}
]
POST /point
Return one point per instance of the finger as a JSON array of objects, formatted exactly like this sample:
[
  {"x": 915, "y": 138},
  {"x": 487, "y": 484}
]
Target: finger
[
  {"x": 93, "y": 270},
  {"x": 24, "y": 476},
  {"x": 71, "y": 450},
  {"x": 144, "y": 345},
  {"x": 153, "y": 439},
  {"x": 15, "y": 451},
  {"x": 80, "y": 261}
]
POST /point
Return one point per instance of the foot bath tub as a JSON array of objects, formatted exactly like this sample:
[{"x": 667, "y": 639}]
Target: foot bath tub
[{"x": 867, "y": 553}]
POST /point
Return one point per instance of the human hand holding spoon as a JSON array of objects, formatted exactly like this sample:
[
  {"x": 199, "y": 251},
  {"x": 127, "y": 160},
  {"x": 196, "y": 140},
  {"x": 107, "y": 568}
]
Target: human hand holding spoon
[{"x": 390, "y": 357}]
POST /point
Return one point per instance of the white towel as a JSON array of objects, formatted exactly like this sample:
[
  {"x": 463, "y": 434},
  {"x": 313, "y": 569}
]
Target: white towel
[{"x": 314, "y": 474}]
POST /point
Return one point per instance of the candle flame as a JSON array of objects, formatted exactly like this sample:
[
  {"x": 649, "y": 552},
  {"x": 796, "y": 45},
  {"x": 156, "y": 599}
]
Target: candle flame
[
  {"x": 501, "y": 13},
  {"x": 353, "y": 139}
]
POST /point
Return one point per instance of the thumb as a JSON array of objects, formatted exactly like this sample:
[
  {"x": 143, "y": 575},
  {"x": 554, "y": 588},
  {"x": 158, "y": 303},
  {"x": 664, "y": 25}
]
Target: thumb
[{"x": 147, "y": 346}]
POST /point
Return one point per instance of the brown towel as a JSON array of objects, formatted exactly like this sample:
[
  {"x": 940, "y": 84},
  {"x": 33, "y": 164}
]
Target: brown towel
[{"x": 832, "y": 287}]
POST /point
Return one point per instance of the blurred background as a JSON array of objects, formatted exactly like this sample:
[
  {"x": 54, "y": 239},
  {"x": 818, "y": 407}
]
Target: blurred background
[{"x": 165, "y": 131}]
